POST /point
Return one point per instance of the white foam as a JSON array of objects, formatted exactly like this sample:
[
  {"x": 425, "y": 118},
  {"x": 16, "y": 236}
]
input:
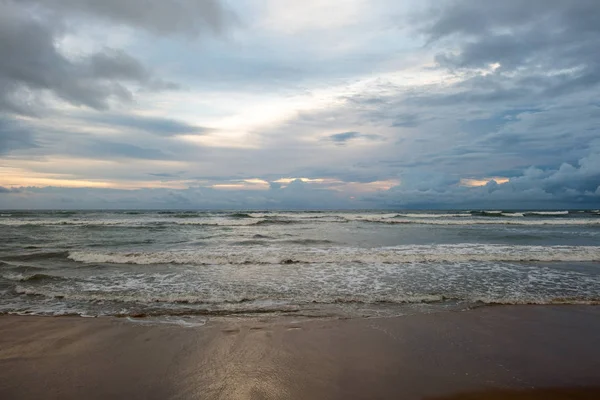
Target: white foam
[
  {"x": 432, "y": 215},
  {"x": 548, "y": 212},
  {"x": 489, "y": 221},
  {"x": 132, "y": 222},
  {"x": 397, "y": 254},
  {"x": 517, "y": 214},
  {"x": 461, "y": 218},
  {"x": 184, "y": 323}
]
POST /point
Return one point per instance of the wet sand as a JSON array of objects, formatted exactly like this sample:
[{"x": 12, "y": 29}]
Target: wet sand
[{"x": 504, "y": 352}]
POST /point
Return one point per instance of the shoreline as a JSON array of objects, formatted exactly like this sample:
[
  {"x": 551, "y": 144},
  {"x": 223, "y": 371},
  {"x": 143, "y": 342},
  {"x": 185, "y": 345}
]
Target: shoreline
[{"x": 512, "y": 352}]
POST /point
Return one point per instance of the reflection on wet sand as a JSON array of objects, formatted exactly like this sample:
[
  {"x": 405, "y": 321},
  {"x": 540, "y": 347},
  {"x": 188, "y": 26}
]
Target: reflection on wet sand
[{"x": 441, "y": 356}]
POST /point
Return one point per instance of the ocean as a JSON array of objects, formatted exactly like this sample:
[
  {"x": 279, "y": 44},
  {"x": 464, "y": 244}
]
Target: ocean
[{"x": 195, "y": 264}]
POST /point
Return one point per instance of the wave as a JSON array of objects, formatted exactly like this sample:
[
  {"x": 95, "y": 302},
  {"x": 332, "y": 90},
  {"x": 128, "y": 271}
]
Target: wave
[
  {"x": 130, "y": 223},
  {"x": 422, "y": 215},
  {"x": 547, "y": 212},
  {"x": 231, "y": 303},
  {"x": 259, "y": 236},
  {"x": 340, "y": 255},
  {"x": 491, "y": 221},
  {"x": 262, "y": 242},
  {"x": 307, "y": 241},
  {"x": 240, "y": 215},
  {"x": 276, "y": 222},
  {"x": 15, "y": 267},
  {"x": 492, "y": 213},
  {"x": 251, "y": 242},
  {"x": 279, "y": 218},
  {"x": 36, "y": 256},
  {"x": 185, "y": 215},
  {"x": 22, "y": 277}
]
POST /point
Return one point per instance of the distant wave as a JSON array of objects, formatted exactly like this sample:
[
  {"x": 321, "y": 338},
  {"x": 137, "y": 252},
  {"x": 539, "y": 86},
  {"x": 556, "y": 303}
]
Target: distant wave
[
  {"x": 548, "y": 212},
  {"x": 240, "y": 215},
  {"x": 491, "y": 221},
  {"x": 400, "y": 254},
  {"x": 185, "y": 215},
  {"x": 423, "y": 215},
  {"x": 156, "y": 221},
  {"x": 131, "y": 223},
  {"x": 276, "y": 222},
  {"x": 515, "y": 214}
]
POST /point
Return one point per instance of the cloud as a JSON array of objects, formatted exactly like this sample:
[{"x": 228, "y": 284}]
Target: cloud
[
  {"x": 344, "y": 137},
  {"x": 14, "y": 136},
  {"x": 297, "y": 195},
  {"x": 544, "y": 46},
  {"x": 107, "y": 149},
  {"x": 567, "y": 186},
  {"x": 4, "y": 190},
  {"x": 164, "y": 175},
  {"x": 462, "y": 93},
  {"x": 155, "y": 125},
  {"x": 406, "y": 121},
  {"x": 190, "y": 17},
  {"x": 32, "y": 65}
]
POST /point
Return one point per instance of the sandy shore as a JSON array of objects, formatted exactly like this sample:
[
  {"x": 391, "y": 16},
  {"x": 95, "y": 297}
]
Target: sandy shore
[{"x": 521, "y": 352}]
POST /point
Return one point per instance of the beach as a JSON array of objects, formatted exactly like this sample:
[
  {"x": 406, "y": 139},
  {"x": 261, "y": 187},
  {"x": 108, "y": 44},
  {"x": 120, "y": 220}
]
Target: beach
[{"x": 497, "y": 352}]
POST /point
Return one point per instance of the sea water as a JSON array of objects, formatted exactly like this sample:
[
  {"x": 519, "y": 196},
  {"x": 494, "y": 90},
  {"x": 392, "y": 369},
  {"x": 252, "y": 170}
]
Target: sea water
[{"x": 165, "y": 264}]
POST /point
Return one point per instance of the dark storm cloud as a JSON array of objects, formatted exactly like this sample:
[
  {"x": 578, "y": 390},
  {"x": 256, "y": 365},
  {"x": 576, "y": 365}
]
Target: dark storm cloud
[
  {"x": 160, "y": 17},
  {"x": 31, "y": 64},
  {"x": 531, "y": 38}
]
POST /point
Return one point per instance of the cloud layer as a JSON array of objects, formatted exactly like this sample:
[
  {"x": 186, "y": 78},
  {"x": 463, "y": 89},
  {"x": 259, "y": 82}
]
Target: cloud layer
[{"x": 207, "y": 104}]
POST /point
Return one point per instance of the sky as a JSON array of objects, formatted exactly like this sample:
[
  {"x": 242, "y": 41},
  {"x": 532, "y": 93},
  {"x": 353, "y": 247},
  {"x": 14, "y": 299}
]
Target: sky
[{"x": 312, "y": 104}]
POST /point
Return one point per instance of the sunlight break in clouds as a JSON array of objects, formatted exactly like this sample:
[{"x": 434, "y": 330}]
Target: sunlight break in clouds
[{"x": 482, "y": 182}]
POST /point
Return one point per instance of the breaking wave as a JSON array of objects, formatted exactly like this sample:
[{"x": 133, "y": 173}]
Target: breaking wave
[
  {"x": 230, "y": 303},
  {"x": 492, "y": 221},
  {"x": 548, "y": 212},
  {"x": 388, "y": 255}
]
